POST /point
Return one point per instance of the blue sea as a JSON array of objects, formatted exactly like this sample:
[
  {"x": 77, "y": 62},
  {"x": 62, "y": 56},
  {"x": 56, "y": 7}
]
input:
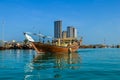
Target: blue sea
[{"x": 86, "y": 64}]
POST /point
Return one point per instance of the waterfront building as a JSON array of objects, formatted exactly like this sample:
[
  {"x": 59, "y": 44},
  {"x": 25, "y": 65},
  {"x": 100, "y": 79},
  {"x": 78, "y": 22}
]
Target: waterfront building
[
  {"x": 58, "y": 29},
  {"x": 64, "y": 34},
  {"x": 74, "y": 33},
  {"x": 71, "y": 32}
]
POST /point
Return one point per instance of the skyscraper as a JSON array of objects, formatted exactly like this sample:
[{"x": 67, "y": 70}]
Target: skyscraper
[
  {"x": 74, "y": 33},
  {"x": 71, "y": 32},
  {"x": 58, "y": 29}
]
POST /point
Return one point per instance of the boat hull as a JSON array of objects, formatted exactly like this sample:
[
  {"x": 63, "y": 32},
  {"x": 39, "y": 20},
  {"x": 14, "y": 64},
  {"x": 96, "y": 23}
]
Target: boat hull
[{"x": 40, "y": 47}]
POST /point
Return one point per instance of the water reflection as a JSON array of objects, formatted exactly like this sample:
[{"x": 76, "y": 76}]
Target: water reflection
[
  {"x": 60, "y": 60},
  {"x": 52, "y": 65}
]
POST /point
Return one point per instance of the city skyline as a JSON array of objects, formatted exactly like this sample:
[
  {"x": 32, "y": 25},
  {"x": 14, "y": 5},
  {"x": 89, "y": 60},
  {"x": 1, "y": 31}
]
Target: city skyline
[
  {"x": 97, "y": 21},
  {"x": 70, "y": 32}
]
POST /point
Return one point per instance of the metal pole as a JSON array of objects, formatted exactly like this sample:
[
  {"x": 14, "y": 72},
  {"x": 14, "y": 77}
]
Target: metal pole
[{"x": 3, "y": 30}]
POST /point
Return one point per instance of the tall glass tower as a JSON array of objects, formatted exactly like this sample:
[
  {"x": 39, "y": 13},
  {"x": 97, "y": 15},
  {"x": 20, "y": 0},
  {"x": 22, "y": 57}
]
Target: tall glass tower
[
  {"x": 71, "y": 32},
  {"x": 58, "y": 29}
]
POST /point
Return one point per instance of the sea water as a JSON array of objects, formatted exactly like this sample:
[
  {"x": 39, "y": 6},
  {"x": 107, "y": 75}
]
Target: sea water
[{"x": 86, "y": 64}]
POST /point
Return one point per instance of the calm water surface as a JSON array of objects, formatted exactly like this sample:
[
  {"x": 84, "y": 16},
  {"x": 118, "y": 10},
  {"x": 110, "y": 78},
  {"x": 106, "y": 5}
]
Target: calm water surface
[{"x": 86, "y": 64}]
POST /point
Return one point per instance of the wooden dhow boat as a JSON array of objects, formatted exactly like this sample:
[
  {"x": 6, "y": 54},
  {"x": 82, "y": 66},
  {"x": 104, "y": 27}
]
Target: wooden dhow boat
[
  {"x": 40, "y": 47},
  {"x": 52, "y": 47}
]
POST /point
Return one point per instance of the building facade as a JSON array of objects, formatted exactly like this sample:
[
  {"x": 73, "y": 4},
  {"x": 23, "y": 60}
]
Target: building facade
[
  {"x": 74, "y": 33},
  {"x": 71, "y": 32},
  {"x": 64, "y": 34},
  {"x": 58, "y": 29}
]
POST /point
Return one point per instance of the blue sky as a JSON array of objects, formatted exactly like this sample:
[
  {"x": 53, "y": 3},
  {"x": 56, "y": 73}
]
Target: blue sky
[{"x": 97, "y": 21}]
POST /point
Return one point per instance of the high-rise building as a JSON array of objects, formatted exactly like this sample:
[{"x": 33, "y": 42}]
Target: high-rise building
[
  {"x": 74, "y": 33},
  {"x": 58, "y": 29},
  {"x": 71, "y": 32},
  {"x": 64, "y": 34}
]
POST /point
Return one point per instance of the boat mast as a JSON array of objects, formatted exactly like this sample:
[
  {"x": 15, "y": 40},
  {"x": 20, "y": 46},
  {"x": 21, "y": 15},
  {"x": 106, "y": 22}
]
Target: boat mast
[
  {"x": 39, "y": 37},
  {"x": 2, "y": 34},
  {"x": 3, "y": 30}
]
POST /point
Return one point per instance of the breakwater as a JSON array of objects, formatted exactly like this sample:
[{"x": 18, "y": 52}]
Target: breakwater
[{"x": 17, "y": 45}]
